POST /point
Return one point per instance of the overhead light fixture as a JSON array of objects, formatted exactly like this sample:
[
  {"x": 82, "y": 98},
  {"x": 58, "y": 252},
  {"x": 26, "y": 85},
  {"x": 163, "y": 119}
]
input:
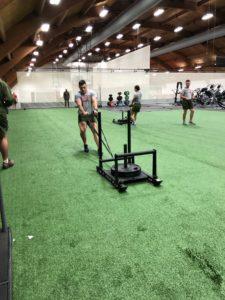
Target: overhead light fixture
[
  {"x": 60, "y": 56},
  {"x": 54, "y": 62},
  {"x": 78, "y": 38},
  {"x": 45, "y": 27},
  {"x": 198, "y": 67},
  {"x": 83, "y": 58},
  {"x": 140, "y": 45},
  {"x": 127, "y": 50},
  {"x": 207, "y": 16},
  {"x": 103, "y": 13},
  {"x": 181, "y": 70},
  {"x": 34, "y": 59},
  {"x": 65, "y": 51},
  {"x": 89, "y": 54},
  {"x": 97, "y": 49},
  {"x": 39, "y": 43},
  {"x": 167, "y": 72},
  {"x": 57, "y": 60},
  {"x": 29, "y": 68},
  {"x": 108, "y": 58},
  {"x": 136, "y": 26},
  {"x": 107, "y": 44},
  {"x": 157, "y": 38},
  {"x": 119, "y": 36},
  {"x": 178, "y": 29},
  {"x": 79, "y": 60},
  {"x": 71, "y": 45},
  {"x": 54, "y": 2},
  {"x": 159, "y": 12},
  {"x": 89, "y": 28},
  {"x": 31, "y": 64},
  {"x": 117, "y": 55},
  {"x": 36, "y": 53}
]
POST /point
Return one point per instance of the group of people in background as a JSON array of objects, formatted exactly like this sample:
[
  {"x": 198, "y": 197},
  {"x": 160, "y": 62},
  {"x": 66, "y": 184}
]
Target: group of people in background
[{"x": 87, "y": 104}]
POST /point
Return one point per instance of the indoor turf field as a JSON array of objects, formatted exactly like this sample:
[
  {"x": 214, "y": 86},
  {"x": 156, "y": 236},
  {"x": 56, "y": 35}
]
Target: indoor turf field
[{"x": 91, "y": 242}]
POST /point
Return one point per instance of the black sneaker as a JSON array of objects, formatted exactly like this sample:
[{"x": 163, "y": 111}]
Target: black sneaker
[
  {"x": 8, "y": 165},
  {"x": 86, "y": 149}
]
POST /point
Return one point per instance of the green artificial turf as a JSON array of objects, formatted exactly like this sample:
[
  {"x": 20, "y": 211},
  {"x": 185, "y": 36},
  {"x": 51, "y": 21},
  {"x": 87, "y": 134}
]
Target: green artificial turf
[{"x": 91, "y": 242}]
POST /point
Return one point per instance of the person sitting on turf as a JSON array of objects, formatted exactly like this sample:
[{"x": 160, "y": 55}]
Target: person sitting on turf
[
  {"x": 136, "y": 104},
  {"x": 119, "y": 99},
  {"x": 87, "y": 103},
  {"x": 186, "y": 97},
  {"x": 6, "y": 100},
  {"x": 110, "y": 102}
]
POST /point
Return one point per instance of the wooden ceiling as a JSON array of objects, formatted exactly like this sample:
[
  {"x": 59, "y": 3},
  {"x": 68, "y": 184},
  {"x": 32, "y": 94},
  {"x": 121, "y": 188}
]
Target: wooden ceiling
[{"x": 20, "y": 23}]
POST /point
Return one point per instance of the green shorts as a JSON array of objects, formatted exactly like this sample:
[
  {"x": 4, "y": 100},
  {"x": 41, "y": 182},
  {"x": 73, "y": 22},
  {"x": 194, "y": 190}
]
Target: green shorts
[
  {"x": 136, "y": 107},
  {"x": 3, "y": 124},
  {"x": 87, "y": 118},
  {"x": 187, "y": 104}
]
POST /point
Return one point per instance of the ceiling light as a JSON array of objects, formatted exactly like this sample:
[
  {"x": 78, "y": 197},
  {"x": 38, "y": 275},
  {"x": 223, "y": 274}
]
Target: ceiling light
[
  {"x": 140, "y": 45},
  {"x": 178, "y": 29},
  {"x": 117, "y": 55},
  {"x": 107, "y": 44},
  {"x": 54, "y": 2},
  {"x": 108, "y": 58},
  {"x": 207, "y": 16},
  {"x": 79, "y": 60},
  {"x": 71, "y": 45},
  {"x": 198, "y": 67},
  {"x": 157, "y": 38},
  {"x": 39, "y": 43},
  {"x": 181, "y": 70},
  {"x": 36, "y": 53},
  {"x": 119, "y": 36},
  {"x": 56, "y": 59},
  {"x": 103, "y": 13},
  {"x": 60, "y": 56},
  {"x": 159, "y": 12},
  {"x": 83, "y": 58},
  {"x": 167, "y": 72},
  {"x": 54, "y": 62},
  {"x": 78, "y": 38},
  {"x": 65, "y": 51},
  {"x": 89, "y": 54},
  {"x": 29, "y": 69},
  {"x": 97, "y": 49},
  {"x": 34, "y": 59},
  {"x": 127, "y": 50},
  {"x": 45, "y": 27},
  {"x": 89, "y": 28},
  {"x": 136, "y": 26},
  {"x": 31, "y": 64}
]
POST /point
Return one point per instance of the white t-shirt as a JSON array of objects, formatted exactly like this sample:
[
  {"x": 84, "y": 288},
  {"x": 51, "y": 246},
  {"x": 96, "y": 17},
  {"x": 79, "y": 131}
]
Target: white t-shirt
[
  {"x": 86, "y": 100},
  {"x": 137, "y": 97},
  {"x": 187, "y": 93}
]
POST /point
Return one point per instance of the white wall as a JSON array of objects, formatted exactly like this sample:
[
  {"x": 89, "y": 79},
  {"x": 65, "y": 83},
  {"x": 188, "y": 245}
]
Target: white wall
[
  {"x": 48, "y": 86},
  {"x": 139, "y": 59}
]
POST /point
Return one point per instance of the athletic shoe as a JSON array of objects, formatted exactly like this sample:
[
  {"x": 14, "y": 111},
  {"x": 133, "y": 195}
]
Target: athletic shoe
[
  {"x": 86, "y": 149},
  {"x": 192, "y": 123},
  {"x": 185, "y": 124},
  {"x": 8, "y": 165}
]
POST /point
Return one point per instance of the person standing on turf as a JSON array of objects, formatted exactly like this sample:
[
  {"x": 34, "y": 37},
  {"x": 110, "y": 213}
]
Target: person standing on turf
[
  {"x": 87, "y": 103},
  {"x": 66, "y": 96},
  {"x": 186, "y": 97},
  {"x": 136, "y": 104},
  {"x": 6, "y": 100}
]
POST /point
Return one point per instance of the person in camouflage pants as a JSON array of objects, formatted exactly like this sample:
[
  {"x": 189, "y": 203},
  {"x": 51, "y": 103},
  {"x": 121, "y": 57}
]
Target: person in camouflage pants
[{"x": 6, "y": 100}]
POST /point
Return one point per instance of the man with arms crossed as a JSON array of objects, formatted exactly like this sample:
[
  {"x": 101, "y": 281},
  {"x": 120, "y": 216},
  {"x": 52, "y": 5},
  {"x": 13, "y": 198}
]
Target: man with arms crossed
[
  {"x": 87, "y": 103},
  {"x": 186, "y": 97}
]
